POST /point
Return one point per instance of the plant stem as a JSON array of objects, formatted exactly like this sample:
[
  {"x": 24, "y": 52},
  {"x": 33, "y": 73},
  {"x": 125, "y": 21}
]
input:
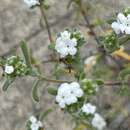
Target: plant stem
[
  {"x": 53, "y": 80},
  {"x": 115, "y": 83},
  {"x": 46, "y": 21},
  {"x": 88, "y": 24}
]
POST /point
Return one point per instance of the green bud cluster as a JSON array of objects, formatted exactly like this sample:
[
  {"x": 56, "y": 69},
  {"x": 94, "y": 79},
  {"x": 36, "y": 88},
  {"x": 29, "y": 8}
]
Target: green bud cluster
[
  {"x": 111, "y": 42},
  {"x": 20, "y": 68},
  {"x": 89, "y": 86}
]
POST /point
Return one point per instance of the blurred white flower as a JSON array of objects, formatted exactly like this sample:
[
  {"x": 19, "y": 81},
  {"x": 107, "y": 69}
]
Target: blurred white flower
[
  {"x": 65, "y": 45},
  {"x": 9, "y": 69},
  {"x": 68, "y": 94},
  {"x": 88, "y": 108},
  {"x": 31, "y": 3},
  {"x": 35, "y": 124},
  {"x": 75, "y": 89},
  {"x": 40, "y": 124},
  {"x": 122, "y": 25},
  {"x": 98, "y": 122},
  {"x": 33, "y": 119}
]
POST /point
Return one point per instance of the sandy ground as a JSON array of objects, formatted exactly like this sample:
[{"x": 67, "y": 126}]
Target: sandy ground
[{"x": 18, "y": 22}]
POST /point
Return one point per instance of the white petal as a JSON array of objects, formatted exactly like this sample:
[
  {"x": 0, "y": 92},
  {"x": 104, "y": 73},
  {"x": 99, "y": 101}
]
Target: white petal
[
  {"x": 79, "y": 93},
  {"x": 121, "y": 17},
  {"x": 98, "y": 122},
  {"x": 64, "y": 51},
  {"x": 62, "y": 104},
  {"x": 33, "y": 119},
  {"x": 34, "y": 126},
  {"x": 74, "y": 41},
  {"x": 127, "y": 30},
  {"x": 116, "y": 27},
  {"x": 31, "y": 3},
  {"x": 72, "y": 50},
  {"x": 65, "y": 35},
  {"x": 40, "y": 124},
  {"x": 9, "y": 69},
  {"x": 122, "y": 27},
  {"x": 70, "y": 99},
  {"x": 89, "y": 108},
  {"x": 59, "y": 98},
  {"x": 75, "y": 84}
]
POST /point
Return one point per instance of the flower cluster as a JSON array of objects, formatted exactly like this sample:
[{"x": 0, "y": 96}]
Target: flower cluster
[
  {"x": 68, "y": 94},
  {"x": 97, "y": 121},
  {"x": 15, "y": 66},
  {"x": 34, "y": 124},
  {"x": 88, "y": 108},
  {"x": 67, "y": 43},
  {"x": 122, "y": 25},
  {"x": 31, "y": 3}
]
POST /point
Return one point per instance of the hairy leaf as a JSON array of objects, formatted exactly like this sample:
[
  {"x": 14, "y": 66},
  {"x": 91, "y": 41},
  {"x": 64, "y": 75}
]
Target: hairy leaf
[
  {"x": 45, "y": 114},
  {"x": 35, "y": 95},
  {"x": 7, "y": 83},
  {"x": 26, "y": 53},
  {"x": 52, "y": 91}
]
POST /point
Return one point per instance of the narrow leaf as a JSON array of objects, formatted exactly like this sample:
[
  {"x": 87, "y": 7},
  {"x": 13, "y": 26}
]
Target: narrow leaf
[
  {"x": 7, "y": 83},
  {"x": 26, "y": 53},
  {"x": 45, "y": 114},
  {"x": 52, "y": 91},
  {"x": 99, "y": 82},
  {"x": 35, "y": 95},
  {"x": 124, "y": 73}
]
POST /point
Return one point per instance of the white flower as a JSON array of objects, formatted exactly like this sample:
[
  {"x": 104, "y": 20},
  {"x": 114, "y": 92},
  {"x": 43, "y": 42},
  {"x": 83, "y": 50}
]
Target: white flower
[
  {"x": 32, "y": 3},
  {"x": 98, "y": 122},
  {"x": 122, "y": 25},
  {"x": 75, "y": 89},
  {"x": 68, "y": 94},
  {"x": 40, "y": 124},
  {"x": 65, "y": 35},
  {"x": 33, "y": 119},
  {"x": 65, "y": 45},
  {"x": 9, "y": 69},
  {"x": 34, "y": 126},
  {"x": 89, "y": 108}
]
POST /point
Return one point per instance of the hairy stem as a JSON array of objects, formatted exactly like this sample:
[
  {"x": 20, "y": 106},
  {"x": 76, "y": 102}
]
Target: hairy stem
[
  {"x": 115, "y": 83},
  {"x": 53, "y": 80},
  {"x": 46, "y": 21},
  {"x": 88, "y": 24}
]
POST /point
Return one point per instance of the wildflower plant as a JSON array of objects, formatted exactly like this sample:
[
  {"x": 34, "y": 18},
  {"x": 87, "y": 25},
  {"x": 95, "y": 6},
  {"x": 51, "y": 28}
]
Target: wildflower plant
[{"x": 74, "y": 96}]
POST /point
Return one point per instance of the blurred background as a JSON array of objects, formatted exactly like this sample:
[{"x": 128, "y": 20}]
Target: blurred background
[{"x": 18, "y": 22}]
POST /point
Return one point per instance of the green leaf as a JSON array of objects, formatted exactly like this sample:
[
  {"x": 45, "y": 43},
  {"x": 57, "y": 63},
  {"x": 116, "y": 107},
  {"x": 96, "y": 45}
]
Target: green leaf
[
  {"x": 26, "y": 53},
  {"x": 45, "y": 114},
  {"x": 110, "y": 21},
  {"x": 51, "y": 46},
  {"x": 35, "y": 95},
  {"x": 52, "y": 91},
  {"x": 99, "y": 82},
  {"x": 7, "y": 83},
  {"x": 34, "y": 72},
  {"x": 124, "y": 73}
]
